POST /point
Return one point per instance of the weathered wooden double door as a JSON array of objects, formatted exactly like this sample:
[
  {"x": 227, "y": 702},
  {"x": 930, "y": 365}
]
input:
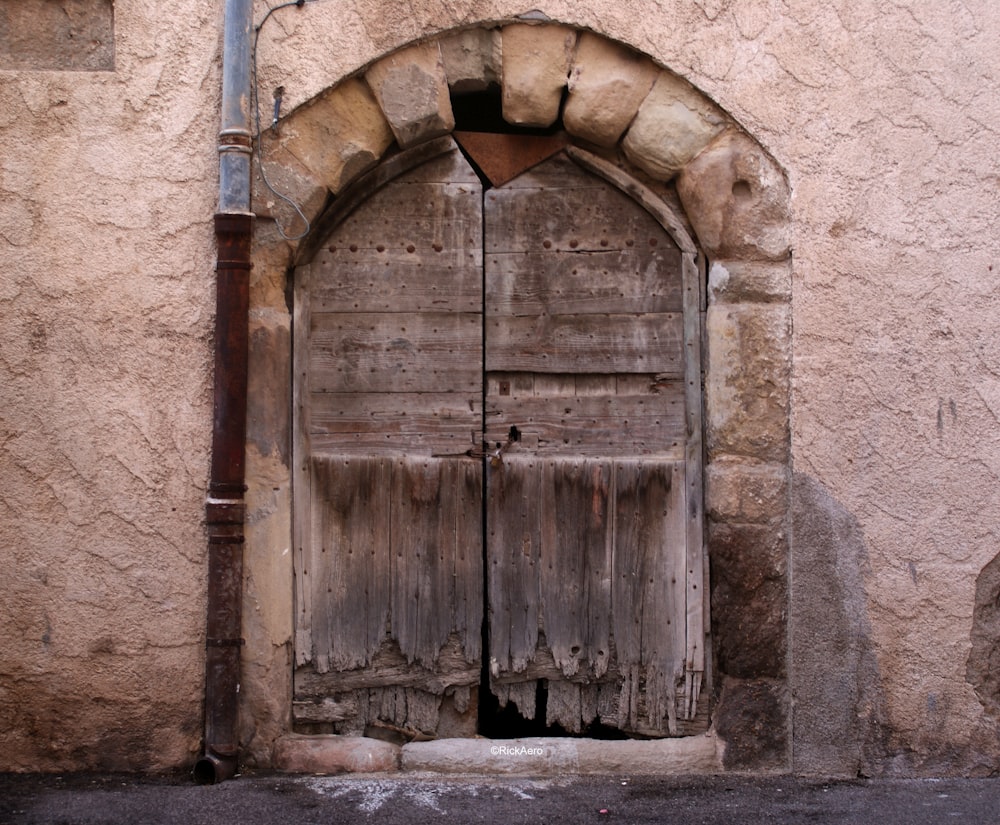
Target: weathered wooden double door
[{"x": 498, "y": 403}]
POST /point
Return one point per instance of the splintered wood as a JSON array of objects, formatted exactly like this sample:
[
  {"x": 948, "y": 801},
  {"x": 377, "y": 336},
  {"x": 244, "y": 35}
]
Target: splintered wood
[{"x": 536, "y": 345}]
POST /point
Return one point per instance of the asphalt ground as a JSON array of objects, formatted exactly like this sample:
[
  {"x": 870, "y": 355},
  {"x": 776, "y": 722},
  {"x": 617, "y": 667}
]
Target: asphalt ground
[{"x": 86, "y": 799}]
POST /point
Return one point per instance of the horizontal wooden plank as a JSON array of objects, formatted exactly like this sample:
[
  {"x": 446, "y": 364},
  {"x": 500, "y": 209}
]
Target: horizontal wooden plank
[
  {"x": 564, "y": 282},
  {"x": 394, "y": 413},
  {"x": 574, "y": 210},
  {"x": 586, "y": 343},
  {"x": 326, "y": 709},
  {"x": 593, "y": 425},
  {"x": 399, "y": 281},
  {"x": 558, "y": 385},
  {"x": 389, "y": 352},
  {"x": 415, "y": 245},
  {"x": 395, "y": 423},
  {"x": 426, "y": 215},
  {"x": 427, "y": 256},
  {"x": 439, "y": 444}
]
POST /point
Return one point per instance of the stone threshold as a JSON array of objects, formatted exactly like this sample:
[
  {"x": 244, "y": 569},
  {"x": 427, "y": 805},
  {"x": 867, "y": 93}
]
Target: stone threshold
[{"x": 536, "y": 756}]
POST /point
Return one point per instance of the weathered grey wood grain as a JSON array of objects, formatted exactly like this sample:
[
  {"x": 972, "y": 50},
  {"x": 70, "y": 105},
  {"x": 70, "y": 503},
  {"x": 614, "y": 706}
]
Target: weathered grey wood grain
[
  {"x": 574, "y": 282},
  {"x": 349, "y": 560},
  {"x": 389, "y": 666},
  {"x": 585, "y": 343},
  {"x": 609, "y": 425},
  {"x": 512, "y": 561},
  {"x": 301, "y": 469},
  {"x": 697, "y": 566},
  {"x": 575, "y": 562},
  {"x": 395, "y": 352},
  {"x": 594, "y": 561},
  {"x": 423, "y": 553}
]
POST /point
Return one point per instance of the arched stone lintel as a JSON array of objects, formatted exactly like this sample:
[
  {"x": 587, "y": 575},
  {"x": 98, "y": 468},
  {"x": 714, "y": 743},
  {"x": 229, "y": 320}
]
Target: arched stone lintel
[{"x": 735, "y": 195}]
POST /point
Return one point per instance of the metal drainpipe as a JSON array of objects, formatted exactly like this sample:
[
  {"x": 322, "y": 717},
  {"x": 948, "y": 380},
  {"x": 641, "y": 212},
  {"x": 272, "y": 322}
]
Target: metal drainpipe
[{"x": 225, "y": 506}]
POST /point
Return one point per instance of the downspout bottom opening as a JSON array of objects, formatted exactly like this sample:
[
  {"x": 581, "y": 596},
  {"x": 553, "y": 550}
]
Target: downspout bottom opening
[{"x": 211, "y": 769}]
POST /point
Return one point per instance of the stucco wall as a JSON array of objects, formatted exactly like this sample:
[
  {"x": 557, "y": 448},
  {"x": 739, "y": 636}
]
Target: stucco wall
[
  {"x": 883, "y": 116},
  {"x": 107, "y": 188}
]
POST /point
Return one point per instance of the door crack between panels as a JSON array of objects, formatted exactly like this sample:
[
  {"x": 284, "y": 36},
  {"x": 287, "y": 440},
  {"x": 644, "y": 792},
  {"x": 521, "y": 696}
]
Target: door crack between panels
[{"x": 485, "y": 694}]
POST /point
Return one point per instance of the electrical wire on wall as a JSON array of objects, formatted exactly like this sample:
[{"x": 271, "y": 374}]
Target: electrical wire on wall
[{"x": 276, "y": 113}]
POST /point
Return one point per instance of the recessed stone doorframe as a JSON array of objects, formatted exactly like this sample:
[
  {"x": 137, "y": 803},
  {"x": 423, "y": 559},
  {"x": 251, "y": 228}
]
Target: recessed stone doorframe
[{"x": 619, "y": 105}]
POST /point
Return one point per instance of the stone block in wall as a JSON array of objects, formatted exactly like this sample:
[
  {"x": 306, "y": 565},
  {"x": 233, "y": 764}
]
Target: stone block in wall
[
  {"x": 744, "y": 491},
  {"x": 412, "y": 89},
  {"x": 340, "y": 136},
  {"x": 270, "y": 356},
  {"x": 536, "y": 62},
  {"x": 674, "y": 123},
  {"x": 737, "y": 199},
  {"x": 272, "y": 257},
  {"x": 750, "y": 281},
  {"x": 288, "y": 179},
  {"x": 751, "y": 719},
  {"x": 472, "y": 60},
  {"x": 748, "y": 380},
  {"x": 606, "y": 85},
  {"x": 749, "y": 574}
]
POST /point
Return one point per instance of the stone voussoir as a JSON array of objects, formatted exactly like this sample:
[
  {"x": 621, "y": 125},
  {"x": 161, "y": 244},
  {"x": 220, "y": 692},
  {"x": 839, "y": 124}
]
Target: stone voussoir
[
  {"x": 536, "y": 63},
  {"x": 674, "y": 123},
  {"x": 737, "y": 198},
  {"x": 332, "y": 754},
  {"x": 412, "y": 88},
  {"x": 288, "y": 180},
  {"x": 606, "y": 85},
  {"x": 341, "y": 135},
  {"x": 472, "y": 60}
]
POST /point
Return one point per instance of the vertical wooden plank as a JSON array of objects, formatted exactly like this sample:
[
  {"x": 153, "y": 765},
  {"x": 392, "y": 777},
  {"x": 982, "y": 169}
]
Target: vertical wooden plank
[
  {"x": 575, "y": 560},
  {"x": 349, "y": 561},
  {"x": 422, "y": 549},
  {"x": 696, "y": 592},
  {"x": 522, "y": 694},
  {"x": 563, "y": 706},
  {"x": 301, "y": 471},
  {"x": 649, "y": 578},
  {"x": 463, "y": 509},
  {"x": 513, "y": 547}
]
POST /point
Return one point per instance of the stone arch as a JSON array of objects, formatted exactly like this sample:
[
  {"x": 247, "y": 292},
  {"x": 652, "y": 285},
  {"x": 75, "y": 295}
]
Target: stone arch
[{"x": 643, "y": 119}]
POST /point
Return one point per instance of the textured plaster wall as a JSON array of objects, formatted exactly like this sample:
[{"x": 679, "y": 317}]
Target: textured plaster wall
[
  {"x": 884, "y": 116},
  {"x": 107, "y": 188}
]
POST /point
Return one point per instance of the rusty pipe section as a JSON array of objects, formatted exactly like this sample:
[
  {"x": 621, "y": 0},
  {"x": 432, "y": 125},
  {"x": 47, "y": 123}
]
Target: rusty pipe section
[{"x": 225, "y": 507}]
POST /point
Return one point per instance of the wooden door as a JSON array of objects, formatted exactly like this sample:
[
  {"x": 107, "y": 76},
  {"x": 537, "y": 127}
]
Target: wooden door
[
  {"x": 388, "y": 397},
  {"x": 538, "y": 342},
  {"x": 591, "y": 553}
]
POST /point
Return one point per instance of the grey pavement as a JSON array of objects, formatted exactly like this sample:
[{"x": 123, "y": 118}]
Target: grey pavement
[{"x": 75, "y": 799}]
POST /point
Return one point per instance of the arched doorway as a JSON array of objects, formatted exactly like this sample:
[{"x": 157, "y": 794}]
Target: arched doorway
[
  {"x": 687, "y": 157},
  {"x": 499, "y": 446}
]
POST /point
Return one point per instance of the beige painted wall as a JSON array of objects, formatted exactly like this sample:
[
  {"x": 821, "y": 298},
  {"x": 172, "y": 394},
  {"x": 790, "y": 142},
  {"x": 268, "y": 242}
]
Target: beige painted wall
[{"x": 883, "y": 116}]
